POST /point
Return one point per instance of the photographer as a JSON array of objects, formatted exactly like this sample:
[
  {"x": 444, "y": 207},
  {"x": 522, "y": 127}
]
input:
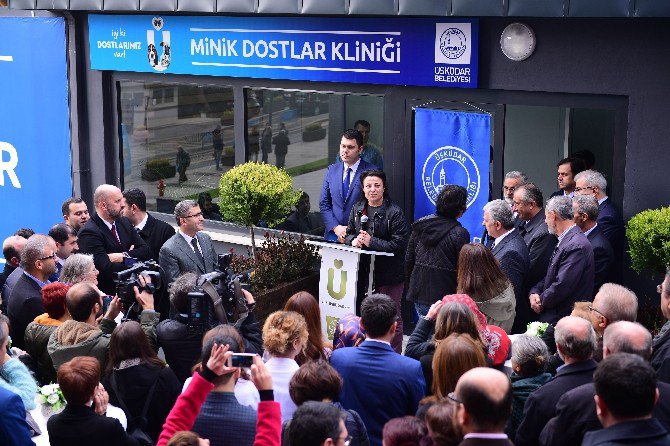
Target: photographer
[
  {"x": 181, "y": 345},
  {"x": 83, "y": 336}
]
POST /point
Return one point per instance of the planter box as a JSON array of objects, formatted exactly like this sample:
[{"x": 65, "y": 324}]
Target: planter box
[
  {"x": 159, "y": 173},
  {"x": 314, "y": 135},
  {"x": 274, "y": 299}
]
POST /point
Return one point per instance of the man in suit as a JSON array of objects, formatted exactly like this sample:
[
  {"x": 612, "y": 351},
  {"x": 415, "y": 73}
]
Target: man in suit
[
  {"x": 512, "y": 254},
  {"x": 567, "y": 169},
  {"x": 626, "y": 393},
  {"x": 190, "y": 249},
  {"x": 381, "y": 384},
  {"x": 576, "y": 410},
  {"x": 586, "y": 211},
  {"x": 342, "y": 186},
  {"x": 75, "y": 213},
  {"x": 484, "y": 398},
  {"x": 154, "y": 232},
  {"x": 532, "y": 227},
  {"x": 110, "y": 237},
  {"x": 570, "y": 274},
  {"x": 12, "y": 247},
  {"x": 613, "y": 303},
  {"x": 576, "y": 342},
  {"x": 660, "y": 357},
  {"x": 66, "y": 244},
  {"x": 38, "y": 261},
  {"x": 14, "y": 428}
]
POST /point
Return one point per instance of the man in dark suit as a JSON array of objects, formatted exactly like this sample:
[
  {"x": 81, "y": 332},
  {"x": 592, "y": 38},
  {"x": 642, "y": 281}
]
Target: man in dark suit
[
  {"x": 576, "y": 342},
  {"x": 381, "y": 384},
  {"x": 567, "y": 169},
  {"x": 625, "y": 396},
  {"x": 512, "y": 254},
  {"x": 14, "y": 428},
  {"x": 660, "y": 357},
  {"x": 576, "y": 410},
  {"x": 586, "y": 211},
  {"x": 110, "y": 237},
  {"x": 154, "y": 232},
  {"x": 190, "y": 249},
  {"x": 528, "y": 203},
  {"x": 66, "y": 244},
  {"x": 38, "y": 261},
  {"x": 570, "y": 274},
  {"x": 342, "y": 186},
  {"x": 484, "y": 398},
  {"x": 11, "y": 252}
]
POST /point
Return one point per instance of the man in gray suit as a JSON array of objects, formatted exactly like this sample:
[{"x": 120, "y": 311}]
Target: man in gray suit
[
  {"x": 512, "y": 254},
  {"x": 189, "y": 250}
]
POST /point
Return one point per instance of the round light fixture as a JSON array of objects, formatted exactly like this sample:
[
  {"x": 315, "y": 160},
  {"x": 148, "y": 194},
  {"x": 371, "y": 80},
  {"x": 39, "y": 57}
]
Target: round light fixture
[{"x": 517, "y": 41}]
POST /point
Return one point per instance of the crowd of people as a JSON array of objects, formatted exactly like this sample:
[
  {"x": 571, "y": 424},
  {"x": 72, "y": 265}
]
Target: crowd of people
[{"x": 469, "y": 373}]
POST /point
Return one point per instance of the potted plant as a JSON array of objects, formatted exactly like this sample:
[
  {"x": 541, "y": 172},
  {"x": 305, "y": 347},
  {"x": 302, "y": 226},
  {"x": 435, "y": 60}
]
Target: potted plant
[
  {"x": 227, "y": 117},
  {"x": 648, "y": 235},
  {"x": 313, "y": 132},
  {"x": 228, "y": 156},
  {"x": 157, "y": 169}
]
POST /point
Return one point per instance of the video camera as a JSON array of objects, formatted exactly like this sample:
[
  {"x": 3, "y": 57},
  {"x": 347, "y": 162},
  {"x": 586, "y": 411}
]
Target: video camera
[
  {"x": 127, "y": 279},
  {"x": 221, "y": 292}
]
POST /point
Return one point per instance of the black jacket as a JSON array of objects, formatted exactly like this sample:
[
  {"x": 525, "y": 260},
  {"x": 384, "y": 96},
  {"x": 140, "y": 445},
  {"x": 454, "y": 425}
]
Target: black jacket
[
  {"x": 603, "y": 257},
  {"x": 649, "y": 432},
  {"x": 389, "y": 231},
  {"x": 660, "y": 357},
  {"x": 432, "y": 258},
  {"x": 25, "y": 304},
  {"x": 81, "y": 425},
  {"x": 155, "y": 233}
]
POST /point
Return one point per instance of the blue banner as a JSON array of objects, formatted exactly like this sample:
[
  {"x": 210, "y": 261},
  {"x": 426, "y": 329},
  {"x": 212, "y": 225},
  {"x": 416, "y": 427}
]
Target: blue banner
[
  {"x": 35, "y": 166},
  {"x": 452, "y": 148},
  {"x": 425, "y": 52}
]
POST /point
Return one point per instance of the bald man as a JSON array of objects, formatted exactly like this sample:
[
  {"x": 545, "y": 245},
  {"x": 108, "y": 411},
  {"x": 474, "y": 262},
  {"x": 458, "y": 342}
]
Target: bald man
[
  {"x": 613, "y": 303},
  {"x": 11, "y": 251},
  {"x": 576, "y": 343},
  {"x": 110, "y": 237},
  {"x": 484, "y": 398}
]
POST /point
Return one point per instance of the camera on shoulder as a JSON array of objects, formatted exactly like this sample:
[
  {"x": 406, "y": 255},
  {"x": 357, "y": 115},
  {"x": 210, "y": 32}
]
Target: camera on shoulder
[{"x": 127, "y": 279}]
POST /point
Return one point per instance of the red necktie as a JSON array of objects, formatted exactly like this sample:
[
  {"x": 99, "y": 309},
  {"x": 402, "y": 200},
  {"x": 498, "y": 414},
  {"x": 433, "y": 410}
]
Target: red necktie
[{"x": 115, "y": 234}]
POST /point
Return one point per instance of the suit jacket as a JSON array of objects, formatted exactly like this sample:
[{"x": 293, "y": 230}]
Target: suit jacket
[
  {"x": 334, "y": 208},
  {"x": 177, "y": 257},
  {"x": 569, "y": 277},
  {"x": 512, "y": 254},
  {"x": 485, "y": 442},
  {"x": 612, "y": 227},
  {"x": 25, "y": 304},
  {"x": 95, "y": 238},
  {"x": 576, "y": 415},
  {"x": 649, "y": 432},
  {"x": 81, "y": 425},
  {"x": 540, "y": 246},
  {"x": 660, "y": 357},
  {"x": 603, "y": 258},
  {"x": 13, "y": 429},
  {"x": 155, "y": 233},
  {"x": 540, "y": 406},
  {"x": 381, "y": 384}
]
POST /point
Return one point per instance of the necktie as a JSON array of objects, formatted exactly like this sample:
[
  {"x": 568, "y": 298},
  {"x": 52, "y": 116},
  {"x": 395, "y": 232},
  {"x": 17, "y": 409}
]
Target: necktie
[
  {"x": 345, "y": 184},
  {"x": 115, "y": 234},
  {"x": 194, "y": 242}
]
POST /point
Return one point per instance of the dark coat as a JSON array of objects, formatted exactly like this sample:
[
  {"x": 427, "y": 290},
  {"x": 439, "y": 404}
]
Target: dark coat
[
  {"x": 569, "y": 278},
  {"x": 177, "y": 257},
  {"x": 155, "y": 233},
  {"x": 540, "y": 406},
  {"x": 81, "y": 425},
  {"x": 512, "y": 254},
  {"x": 540, "y": 246},
  {"x": 485, "y": 442},
  {"x": 611, "y": 224},
  {"x": 648, "y": 432},
  {"x": 3, "y": 278},
  {"x": 603, "y": 258},
  {"x": 432, "y": 258},
  {"x": 576, "y": 415},
  {"x": 281, "y": 142},
  {"x": 25, "y": 304},
  {"x": 522, "y": 387},
  {"x": 660, "y": 357},
  {"x": 13, "y": 429},
  {"x": 389, "y": 232},
  {"x": 96, "y": 239}
]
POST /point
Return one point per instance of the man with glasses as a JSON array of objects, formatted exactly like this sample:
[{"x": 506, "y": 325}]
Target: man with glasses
[
  {"x": 190, "y": 249},
  {"x": 38, "y": 260},
  {"x": 660, "y": 358}
]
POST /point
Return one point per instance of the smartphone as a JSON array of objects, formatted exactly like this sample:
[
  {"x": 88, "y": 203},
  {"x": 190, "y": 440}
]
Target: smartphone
[
  {"x": 241, "y": 360},
  {"x": 106, "y": 300}
]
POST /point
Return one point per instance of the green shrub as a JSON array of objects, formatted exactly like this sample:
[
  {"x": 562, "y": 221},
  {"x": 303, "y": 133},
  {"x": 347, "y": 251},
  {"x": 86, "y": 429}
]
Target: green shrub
[
  {"x": 158, "y": 163},
  {"x": 313, "y": 126},
  {"x": 648, "y": 235}
]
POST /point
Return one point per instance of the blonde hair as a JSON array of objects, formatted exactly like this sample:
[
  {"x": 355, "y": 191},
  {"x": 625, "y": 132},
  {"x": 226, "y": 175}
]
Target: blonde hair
[{"x": 281, "y": 330}]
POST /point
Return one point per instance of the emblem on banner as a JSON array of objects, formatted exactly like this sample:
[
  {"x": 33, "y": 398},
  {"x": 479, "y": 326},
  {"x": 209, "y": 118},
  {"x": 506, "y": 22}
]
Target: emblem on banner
[
  {"x": 450, "y": 165},
  {"x": 452, "y": 43},
  {"x": 337, "y": 295},
  {"x": 163, "y": 62}
]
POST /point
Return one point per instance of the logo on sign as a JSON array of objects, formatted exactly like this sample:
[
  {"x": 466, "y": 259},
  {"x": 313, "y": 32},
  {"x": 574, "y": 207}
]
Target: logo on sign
[
  {"x": 453, "y": 43},
  {"x": 450, "y": 165},
  {"x": 163, "y": 62},
  {"x": 337, "y": 295}
]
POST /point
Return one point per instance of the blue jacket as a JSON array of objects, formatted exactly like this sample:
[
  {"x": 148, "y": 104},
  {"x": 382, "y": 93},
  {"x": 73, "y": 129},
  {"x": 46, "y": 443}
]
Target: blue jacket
[
  {"x": 649, "y": 432},
  {"x": 380, "y": 384},
  {"x": 603, "y": 258},
  {"x": 334, "y": 209},
  {"x": 13, "y": 428}
]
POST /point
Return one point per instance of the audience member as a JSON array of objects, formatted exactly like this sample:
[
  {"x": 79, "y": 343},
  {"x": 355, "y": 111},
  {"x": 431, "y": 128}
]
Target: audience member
[
  {"x": 66, "y": 244},
  {"x": 432, "y": 252},
  {"x": 11, "y": 252},
  {"x": 660, "y": 358},
  {"x": 154, "y": 232},
  {"x": 301, "y": 220},
  {"x": 441, "y": 423},
  {"x": 207, "y": 207},
  {"x": 381, "y": 384},
  {"x": 568, "y": 168},
  {"x": 14, "y": 429},
  {"x": 315, "y": 350},
  {"x": 348, "y": 332},
  {"x": 318, "y": 424},
  {"x": 511, "y": 183},
  {"x": 454, "y": 356},
  {"x": 571, "y": 270},
  {"x": 79, "y": 268},
  {"x": 14, "y": 376},
  {"x": 26, "y": 233},
  {"x": 404, "y": 431},
  {"x": 75, "y": 213},
  {"x": 612, "y": 303}
]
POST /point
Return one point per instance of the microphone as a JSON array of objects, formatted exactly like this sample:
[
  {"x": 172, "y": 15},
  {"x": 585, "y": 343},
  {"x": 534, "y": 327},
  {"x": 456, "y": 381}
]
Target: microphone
[{"x": 364, "y": 223}]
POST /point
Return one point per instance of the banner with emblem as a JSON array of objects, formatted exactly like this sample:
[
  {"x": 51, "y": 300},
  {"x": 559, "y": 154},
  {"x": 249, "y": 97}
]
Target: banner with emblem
[{"x": 452, "y": 148}]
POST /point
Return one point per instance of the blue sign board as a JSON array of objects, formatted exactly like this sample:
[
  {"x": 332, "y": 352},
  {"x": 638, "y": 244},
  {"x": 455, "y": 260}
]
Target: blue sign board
[
  {"x": 452, "y": 148},
  {"x": 423, "y": 52},
  {"x": 35, "y": 166}
]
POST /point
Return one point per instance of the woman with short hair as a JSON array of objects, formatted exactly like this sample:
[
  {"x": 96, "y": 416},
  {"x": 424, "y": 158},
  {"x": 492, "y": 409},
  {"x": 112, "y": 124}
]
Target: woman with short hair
[{"x": 79, "y": 268}]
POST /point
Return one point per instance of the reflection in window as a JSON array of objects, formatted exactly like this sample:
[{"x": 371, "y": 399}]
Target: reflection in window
[{"x": 301, "y": 132}]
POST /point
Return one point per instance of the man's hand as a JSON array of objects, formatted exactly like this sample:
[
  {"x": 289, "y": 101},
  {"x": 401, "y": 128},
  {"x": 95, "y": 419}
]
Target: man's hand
[
  {"x": 341, "y": 232},
  {"x": 218, "y": 360},
  {"x": 535, "y": 303},
  {"x": 145, "y": 299},
  {"x": 364, "y": 238},
  {"x": 114, "y": 309},
  {"x": 248, "y": 297},
  {"x": 116, "y": 257},
  {"x": 260, "y": 375},
  {"x": 100, "y": 399},
  {"x": 434, "y": 309}
]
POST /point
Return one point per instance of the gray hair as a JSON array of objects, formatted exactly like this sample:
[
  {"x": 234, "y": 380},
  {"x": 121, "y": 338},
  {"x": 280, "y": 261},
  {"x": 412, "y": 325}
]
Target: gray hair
[
  {"x": 617, "y": 303},
  {"x": 34, "y": 250},
  {"x": 517, "y": 175},
  {"x": 530, "y": 193},
  {"x": 562, "y": 206},
  {"x": 500, "y": 211},
  {"x": 620, "y": 337},
  {"x": 587, "y": 204},
  {"x": 180, "y": 288},
  {"x": 4, "y": 332},
  {"x": 592, "y": 178},
  {"x": 75, "y": 268},
  {"x": 574, "y": 344},
  {"x": 182, "y": 208},
  {"x": 530, "y": 354}
]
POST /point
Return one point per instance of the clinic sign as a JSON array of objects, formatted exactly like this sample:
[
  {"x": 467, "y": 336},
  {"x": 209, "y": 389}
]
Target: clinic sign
[
  {"x": 35, "y": 167},
  {"x": 421, "y": 52}
]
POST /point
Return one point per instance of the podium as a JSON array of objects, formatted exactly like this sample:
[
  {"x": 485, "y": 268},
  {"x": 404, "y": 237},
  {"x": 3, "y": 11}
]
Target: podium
[{"x": 338, "y": 278}]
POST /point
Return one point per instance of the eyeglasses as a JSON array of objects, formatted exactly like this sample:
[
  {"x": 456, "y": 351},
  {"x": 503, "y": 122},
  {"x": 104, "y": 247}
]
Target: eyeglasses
[
  {"x": 347, "y": 440},
  {"x": 199, "y": 214},
  {"x": 452, "y": 397},
  {"x": 659, "y": 289},
  {"x": 579, "y": 189},
  {"x": 509, "y": 189},
  {"x": 52, "y": 256},
  {"x": 593, "y": 309}
]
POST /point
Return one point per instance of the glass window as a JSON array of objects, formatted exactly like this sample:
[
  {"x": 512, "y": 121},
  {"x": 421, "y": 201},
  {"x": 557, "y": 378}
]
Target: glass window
[
  {"x": 176, "y": 141},
  {"x": 301, "y": 132}
]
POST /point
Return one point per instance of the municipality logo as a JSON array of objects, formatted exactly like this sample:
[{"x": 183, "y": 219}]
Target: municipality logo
[
  {"x": 450, "y": 165},
  {"x": 163, "y": 62},
  {"x": 452, "y": 43}
]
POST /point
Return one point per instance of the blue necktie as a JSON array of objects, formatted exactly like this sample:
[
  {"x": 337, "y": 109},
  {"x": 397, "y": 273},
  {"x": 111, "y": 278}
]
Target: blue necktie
[{"x": 345, "y": 184}]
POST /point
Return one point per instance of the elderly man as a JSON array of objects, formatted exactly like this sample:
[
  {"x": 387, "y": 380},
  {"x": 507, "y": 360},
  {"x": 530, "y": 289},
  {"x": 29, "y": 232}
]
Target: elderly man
[
  {"x": 576, "y": 343},
  {"x": 110, "y": 237},
  {"x": 75, "y": 213},
  {"x": 612, "y": 303},
  {"x": 11, "y": 252},
  {"x": 567, "y": 169},
  {"x": 570, "y": 274},
  {"x": 511, "y": 183},
  {"x": 660, "y": 358},
  {"x": 512, "y": 254}
]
